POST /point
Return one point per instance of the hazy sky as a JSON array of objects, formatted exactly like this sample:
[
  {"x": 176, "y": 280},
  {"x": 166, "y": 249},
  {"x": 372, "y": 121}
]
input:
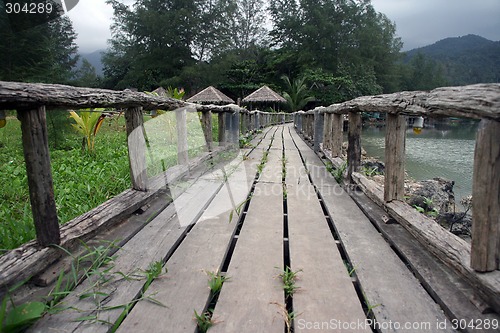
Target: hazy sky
[{"x": 418, "y": 22}]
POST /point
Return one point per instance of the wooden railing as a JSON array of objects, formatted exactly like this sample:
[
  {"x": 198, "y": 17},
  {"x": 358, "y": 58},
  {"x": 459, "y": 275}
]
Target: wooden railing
[
  {"x": 324, "y": 126},
  {"x": 32, "y": 101}
]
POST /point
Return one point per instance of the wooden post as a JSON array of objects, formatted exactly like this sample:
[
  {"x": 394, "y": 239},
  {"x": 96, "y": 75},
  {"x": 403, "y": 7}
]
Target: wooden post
[
  {"x": 41, "y": 187},
  {"x": 354, "y": 143},
  {"x": 394, "y": 157},
  {"x": 221, "y": 128},
  {"x": 319, "y": 118},
  {"x": 485, "y": 247},
  {"x": 244, "y": 122},
  {"x": 327, "y": 131},
  {"x": 182, "y": 143},
  {"x": 136, "y": 148},
  {"x": 337, "y": 136},
  {"x": 234, "y": 128},
  {"x": 300, "y": 121},
  {"x": 206, "y": 123}
]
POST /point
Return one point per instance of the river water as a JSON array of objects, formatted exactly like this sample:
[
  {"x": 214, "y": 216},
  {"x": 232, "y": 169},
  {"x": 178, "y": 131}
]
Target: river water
[{"x": 446, "y": 153}]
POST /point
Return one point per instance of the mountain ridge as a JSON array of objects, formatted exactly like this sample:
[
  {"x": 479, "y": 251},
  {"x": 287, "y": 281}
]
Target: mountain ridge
[{"x": 463, "y": 60}]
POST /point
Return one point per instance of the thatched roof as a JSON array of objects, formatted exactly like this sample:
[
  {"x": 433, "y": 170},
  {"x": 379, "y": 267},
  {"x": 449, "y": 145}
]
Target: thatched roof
[
  {"x": 264, "y": 94},
  {"x": 210, "y": 95},
  {"x": 160, "y": 91}
]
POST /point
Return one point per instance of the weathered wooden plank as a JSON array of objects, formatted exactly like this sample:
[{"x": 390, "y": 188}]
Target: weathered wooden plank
[
  {"x": 185, "y": 287},
  {"x": 41, "y": 187},
  {"x": 394, "y": 158},
  {"x": 451, "y": 291},
  {"x": 161, "y": 235},
  {"x": 485, "y": 252},
  {"x": 375, "y": 264},
  {"x": 246, "y": 301},
  {"x": 354, "y": 143},
  {"x": 136, "y": 148},
  {"x": 326, "y": 292},
  {"x": 273, "y": 170},
  {"x": 452, "y": 250},
  {"x": 182, "y": 142}
]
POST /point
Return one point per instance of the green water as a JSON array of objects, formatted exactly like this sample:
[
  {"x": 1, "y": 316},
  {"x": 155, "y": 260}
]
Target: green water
[{"x": 433, "y": 153}]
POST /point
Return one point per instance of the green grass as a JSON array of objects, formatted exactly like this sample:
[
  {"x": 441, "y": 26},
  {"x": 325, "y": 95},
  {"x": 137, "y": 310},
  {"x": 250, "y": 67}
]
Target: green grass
[
  {"x": 289, "y": 277},
  {"x": 82, "y": 181}
]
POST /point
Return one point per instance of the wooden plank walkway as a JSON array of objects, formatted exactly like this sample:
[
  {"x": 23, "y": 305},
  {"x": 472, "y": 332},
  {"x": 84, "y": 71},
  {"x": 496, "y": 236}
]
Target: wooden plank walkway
[{"x": 250, "y": 228}]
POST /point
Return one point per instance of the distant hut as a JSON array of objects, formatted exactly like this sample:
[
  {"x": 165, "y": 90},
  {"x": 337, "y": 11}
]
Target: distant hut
[
  {"x": 264, "y": 96},
  {"x": 210, "y": 95}
]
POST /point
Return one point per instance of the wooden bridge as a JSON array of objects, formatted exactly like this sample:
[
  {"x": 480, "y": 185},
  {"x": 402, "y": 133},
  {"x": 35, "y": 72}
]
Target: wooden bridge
[{"x": 268, "y": 212}]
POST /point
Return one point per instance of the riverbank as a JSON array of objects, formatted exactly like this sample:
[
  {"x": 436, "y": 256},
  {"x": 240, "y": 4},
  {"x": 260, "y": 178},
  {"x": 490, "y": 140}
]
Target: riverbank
[{"x": 444, "y": 153}]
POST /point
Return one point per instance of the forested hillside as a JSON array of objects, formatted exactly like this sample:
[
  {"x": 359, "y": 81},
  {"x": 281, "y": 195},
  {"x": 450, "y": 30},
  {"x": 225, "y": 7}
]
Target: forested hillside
[{"x": 462, "y": 60}]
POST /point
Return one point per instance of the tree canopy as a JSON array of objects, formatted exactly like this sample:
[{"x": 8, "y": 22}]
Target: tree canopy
[
  {"x": 43, "y": 53},
  {"x": 340, "y": 49}
]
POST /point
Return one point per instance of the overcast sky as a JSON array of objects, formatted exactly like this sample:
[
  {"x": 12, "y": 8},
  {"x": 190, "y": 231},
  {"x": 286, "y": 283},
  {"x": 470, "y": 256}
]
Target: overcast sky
[{"x": 418, "y": 22}]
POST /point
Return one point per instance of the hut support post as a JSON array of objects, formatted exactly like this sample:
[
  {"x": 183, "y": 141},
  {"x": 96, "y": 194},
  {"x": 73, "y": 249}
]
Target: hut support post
[
  {"x": 485, "y": 250},
  {"x": 337, "y": 136},
  {"x": 182, "y": 142},
  {"x": 40, "y": 183},
  {"x": 206, "y": 120},
  {"x": 394, "y": 157},
  {"x": 319, "y": 117},
  {"x": 354, "y": 146},
  {"x": 136, "y": 143}
]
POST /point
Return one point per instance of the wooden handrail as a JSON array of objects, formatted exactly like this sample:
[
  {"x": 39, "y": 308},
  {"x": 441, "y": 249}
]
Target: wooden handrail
[
  {"x": 33, "y": 100},
  {"x": 480, "y": 101}
]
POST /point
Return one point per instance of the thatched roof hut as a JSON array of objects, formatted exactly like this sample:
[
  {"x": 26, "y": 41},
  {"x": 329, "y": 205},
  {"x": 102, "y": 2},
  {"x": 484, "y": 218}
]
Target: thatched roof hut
[
  {"x": 264, "y": 97},
  {"x": 210, "y": 95}
]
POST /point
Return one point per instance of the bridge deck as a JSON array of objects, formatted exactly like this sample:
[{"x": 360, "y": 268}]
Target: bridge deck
[{"x": 273, "y": 206}]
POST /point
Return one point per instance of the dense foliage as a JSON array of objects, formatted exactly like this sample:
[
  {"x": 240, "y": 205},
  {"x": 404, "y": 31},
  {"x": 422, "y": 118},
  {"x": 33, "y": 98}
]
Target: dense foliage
[
  {"x": 44, "y": 53},
  {"x": 342, "y": 49}
]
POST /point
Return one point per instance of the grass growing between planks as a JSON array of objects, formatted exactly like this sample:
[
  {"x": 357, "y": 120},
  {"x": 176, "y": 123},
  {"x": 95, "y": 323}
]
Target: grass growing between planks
[
  {"x": 96, "y": 265},
  {"x": 82, "y": 180}
]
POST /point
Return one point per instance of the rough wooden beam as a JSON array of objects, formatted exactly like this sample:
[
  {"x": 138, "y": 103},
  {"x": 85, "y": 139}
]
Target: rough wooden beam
[
  {"x": 354, "y": 143},
  {"x": 136, "y": 148},
  {"x": 485, "y": 254},
  {"x": 206, "y": 124},
  {"x": 41, "y": 188},
  {"x": 327, "y": 131},
  {"x": 474, "y": 101},
  {"x": 394, "y": 157},
  {"x": 318, "y": 129},
  {"x": 337, "y": 136},
  {"x": 182, "y": 135}
]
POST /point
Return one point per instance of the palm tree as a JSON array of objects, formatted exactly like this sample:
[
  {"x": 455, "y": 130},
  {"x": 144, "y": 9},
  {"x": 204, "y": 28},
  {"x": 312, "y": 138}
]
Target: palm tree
[{"x": 297, "y": 94}]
